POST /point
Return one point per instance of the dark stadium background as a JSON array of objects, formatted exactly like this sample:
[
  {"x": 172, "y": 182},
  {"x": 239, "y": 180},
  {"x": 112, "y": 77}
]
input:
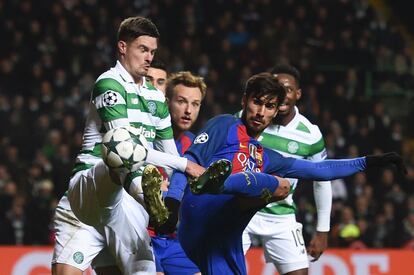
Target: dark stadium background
[{"x": 357, "y": 65}]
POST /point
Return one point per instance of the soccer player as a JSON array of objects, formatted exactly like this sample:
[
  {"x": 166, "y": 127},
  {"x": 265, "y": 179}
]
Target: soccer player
[
  {"x": 100, "y": 208},
  {"x": 157, "y": 75},
  {"x": 215, "y": 210},
  {"x": 292, "y": 135},
  {"x": 185, "y": 93}
]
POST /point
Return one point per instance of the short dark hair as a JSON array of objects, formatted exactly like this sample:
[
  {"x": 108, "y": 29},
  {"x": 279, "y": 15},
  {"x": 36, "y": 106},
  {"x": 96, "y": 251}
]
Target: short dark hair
[
  {"x": 158, "y": 64},
  {"x": 264, "y": 84},
  {"x": 133, "y": 27},
  {"x": 287, "y": 69}
]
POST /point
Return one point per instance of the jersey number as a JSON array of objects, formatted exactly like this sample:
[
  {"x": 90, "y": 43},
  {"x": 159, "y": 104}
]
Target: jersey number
[{"x": 297, "y": 236}]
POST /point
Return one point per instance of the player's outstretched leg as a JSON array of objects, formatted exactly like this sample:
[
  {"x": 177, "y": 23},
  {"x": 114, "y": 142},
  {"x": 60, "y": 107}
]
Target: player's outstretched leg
[
  {"x": 252, "y": 184},
  {"x": 212, "y": 180},
  {"x": 151, "y": 186}
]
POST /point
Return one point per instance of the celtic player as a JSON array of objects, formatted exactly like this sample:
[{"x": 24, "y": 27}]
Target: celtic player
[
  {"x": 292, "y": 135},
  {"x": 100, "y": 209}
]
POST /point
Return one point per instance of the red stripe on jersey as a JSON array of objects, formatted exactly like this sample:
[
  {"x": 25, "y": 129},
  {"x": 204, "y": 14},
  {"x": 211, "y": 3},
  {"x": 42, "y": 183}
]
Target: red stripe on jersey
[
  {"x": 242, "y": 156},
  {"x": 185, "y": 143}
]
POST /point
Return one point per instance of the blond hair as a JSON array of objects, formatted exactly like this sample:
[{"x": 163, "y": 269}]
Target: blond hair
[{"x": 187, "y": 79}]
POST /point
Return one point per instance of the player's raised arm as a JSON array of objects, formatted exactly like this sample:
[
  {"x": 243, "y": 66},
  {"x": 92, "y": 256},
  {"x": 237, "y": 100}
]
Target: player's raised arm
[{"x": 330, "y": 169}]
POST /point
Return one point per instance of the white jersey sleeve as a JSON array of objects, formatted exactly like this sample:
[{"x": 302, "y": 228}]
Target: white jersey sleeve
[{"x": 322, "y": 191}]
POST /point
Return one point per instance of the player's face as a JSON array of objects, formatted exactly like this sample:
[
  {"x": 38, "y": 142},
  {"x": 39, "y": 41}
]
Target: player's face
[
  {"x": 184, "y": 106},
  {"x": 158, "y": 78},
  {"x": 137, "y": 55},
  {"x": 258, "y": 113},
  {"x": 293, "y": 94}
]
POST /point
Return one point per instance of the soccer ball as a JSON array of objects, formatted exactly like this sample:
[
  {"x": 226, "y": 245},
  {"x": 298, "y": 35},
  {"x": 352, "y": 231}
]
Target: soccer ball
[{"x": 124, "y": 148}]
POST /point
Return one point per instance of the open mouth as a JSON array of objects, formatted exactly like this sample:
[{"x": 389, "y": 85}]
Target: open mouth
[
  {"x": 257, "y": 122},
  {"x": 283, "y": 107}
]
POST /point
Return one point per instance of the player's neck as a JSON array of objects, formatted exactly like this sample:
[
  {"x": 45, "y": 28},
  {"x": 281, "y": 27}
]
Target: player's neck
[
  {"x": 177, "y": 132},
  {"x": 139, "y": 80},
  {"x": 285, "y": 119}
]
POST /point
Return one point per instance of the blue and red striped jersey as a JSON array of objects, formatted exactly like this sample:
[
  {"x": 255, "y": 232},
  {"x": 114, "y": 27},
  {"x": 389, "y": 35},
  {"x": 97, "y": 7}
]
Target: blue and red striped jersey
[
  {"x": 184, "y": 142},
  {"x": 225, "y": 137}
]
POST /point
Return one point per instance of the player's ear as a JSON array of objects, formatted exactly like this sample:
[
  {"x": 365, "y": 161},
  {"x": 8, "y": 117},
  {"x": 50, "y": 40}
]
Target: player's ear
[
  {"x": 122, "y": 47},
  {"x": 244, "y": 101},
  {"x": 298, "y": 94}
]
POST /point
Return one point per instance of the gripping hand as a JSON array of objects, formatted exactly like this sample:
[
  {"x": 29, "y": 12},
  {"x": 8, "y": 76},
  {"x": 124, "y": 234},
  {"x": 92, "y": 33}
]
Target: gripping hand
[{"x": 382, "y": 160}]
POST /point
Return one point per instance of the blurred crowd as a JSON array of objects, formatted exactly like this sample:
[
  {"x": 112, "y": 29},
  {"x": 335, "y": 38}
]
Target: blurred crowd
[{"x": 353, "y": 62}]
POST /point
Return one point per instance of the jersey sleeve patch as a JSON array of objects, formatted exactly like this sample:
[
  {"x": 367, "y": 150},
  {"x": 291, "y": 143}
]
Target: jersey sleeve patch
[
  {"x": 109, "y": 99},
  {"x": 201, "y": 138},
  {"x": 108, "y": 84}
]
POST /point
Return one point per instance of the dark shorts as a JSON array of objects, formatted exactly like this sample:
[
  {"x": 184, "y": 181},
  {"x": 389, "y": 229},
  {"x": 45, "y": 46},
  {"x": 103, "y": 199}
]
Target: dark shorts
[{"x": 170, "y": 257}]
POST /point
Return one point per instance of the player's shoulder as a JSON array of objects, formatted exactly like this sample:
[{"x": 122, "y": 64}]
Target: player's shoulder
[
  {"x": 109, "y": 80},
  {"x": 219, "y": 125},
  {"x": 225, "y": 118}
]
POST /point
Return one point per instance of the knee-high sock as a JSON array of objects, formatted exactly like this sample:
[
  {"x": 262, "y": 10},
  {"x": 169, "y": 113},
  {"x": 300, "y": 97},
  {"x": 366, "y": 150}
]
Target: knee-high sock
[{"x": 250, "y": 184}]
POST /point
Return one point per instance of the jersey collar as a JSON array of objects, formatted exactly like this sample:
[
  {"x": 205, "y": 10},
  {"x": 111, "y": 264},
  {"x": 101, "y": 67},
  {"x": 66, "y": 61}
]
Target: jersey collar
[
  {"x": 125, "y": 75},
  {"x": 293, "y": 122}
]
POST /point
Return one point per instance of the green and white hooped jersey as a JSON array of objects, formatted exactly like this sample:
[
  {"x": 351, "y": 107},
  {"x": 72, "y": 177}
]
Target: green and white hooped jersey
[
  {"x": 299, "y": 139},
  {"x": 117, "y": 101}
]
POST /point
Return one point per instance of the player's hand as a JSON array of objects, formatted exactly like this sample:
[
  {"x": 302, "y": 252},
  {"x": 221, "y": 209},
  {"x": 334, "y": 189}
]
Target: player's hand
[
  {"x": 382, "y": 160},
  {"x": 317, "y": 245},
  {"x": 194, "y": 170},
  {"x": 164, "y": 185},
  {"x": 282, "y": 191}
]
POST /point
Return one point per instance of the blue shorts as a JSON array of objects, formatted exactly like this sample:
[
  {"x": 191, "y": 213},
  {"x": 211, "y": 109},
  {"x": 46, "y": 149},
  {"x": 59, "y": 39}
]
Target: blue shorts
[
  {"x": 170, "y": 257},
  {"x": 210, "y": 232}
]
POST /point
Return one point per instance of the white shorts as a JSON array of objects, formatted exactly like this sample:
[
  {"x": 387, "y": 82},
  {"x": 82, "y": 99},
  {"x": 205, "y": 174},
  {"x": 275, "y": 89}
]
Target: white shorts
[
  {"x": 119, "y": 220},
  {"x": 77, "y": 244},
  {"x": 282, "y": 238}
]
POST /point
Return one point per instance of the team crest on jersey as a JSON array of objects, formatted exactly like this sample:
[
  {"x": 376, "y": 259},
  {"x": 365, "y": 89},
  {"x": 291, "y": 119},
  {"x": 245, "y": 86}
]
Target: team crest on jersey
[
  {"x": 259, "y": 159},
  {"x": 152, "y": 107},
  {"x": 201, "y": 138},
  {"x": 78, "y": 257},
  {"x": 292, "y": 147},
  {"x": 110, "y": 98}
]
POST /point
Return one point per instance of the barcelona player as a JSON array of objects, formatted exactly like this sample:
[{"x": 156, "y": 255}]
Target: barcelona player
[{"x": 215, "y": 207}]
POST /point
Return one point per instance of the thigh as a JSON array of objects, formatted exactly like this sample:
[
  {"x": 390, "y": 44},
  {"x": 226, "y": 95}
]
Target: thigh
[
  {"x": 160, "y": 247},
  {"x": 77, "y": 244},
  {"x": 210, "y": 232},
  {"x": 286, "y": 249},
  {"x": 176, "y": 261},
  {"x": 126, "y": 236},
  {"x": 83, "y": 198}
]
